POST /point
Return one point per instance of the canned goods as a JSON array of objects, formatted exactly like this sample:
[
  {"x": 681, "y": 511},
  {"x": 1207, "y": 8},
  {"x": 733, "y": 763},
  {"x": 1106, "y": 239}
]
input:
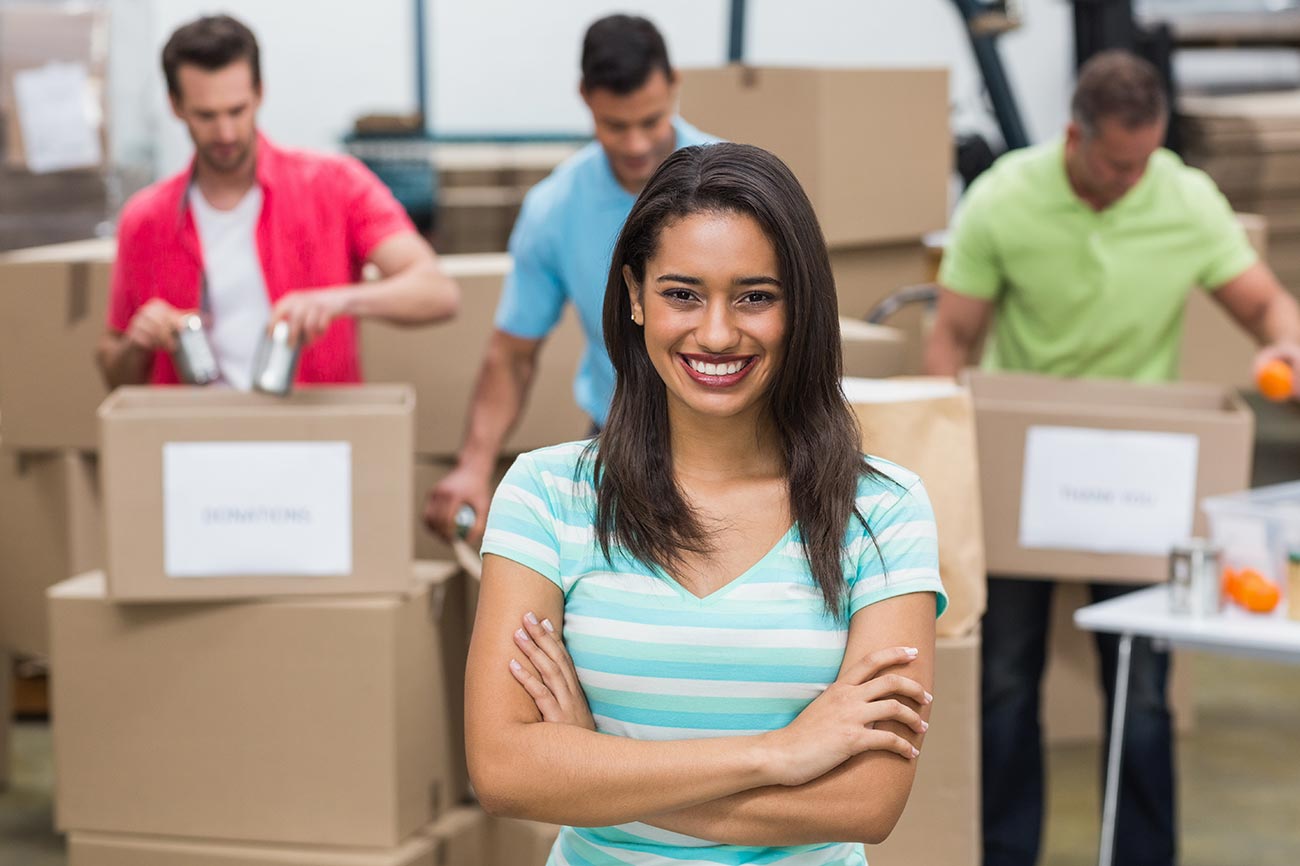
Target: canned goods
[
  {"x": 1195, "y": 585},
  {"x": 196, "y": 363},
  {"x": 275, "y": 362}
]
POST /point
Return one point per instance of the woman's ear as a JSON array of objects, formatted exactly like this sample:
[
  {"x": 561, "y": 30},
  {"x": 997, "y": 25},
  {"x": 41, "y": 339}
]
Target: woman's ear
[{"x": 633, "y": 294}]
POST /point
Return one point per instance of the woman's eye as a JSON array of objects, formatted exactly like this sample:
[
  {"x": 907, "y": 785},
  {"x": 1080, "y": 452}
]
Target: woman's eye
[
  {"x": 759, "y": 298},
  {"x": 679, "y": 294}
]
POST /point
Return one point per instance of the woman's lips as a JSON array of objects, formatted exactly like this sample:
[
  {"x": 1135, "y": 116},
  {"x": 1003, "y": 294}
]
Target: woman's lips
[{"x": 718, "y": 380}]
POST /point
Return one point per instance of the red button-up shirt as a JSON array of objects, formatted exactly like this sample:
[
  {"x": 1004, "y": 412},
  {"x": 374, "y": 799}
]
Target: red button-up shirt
[{"x": 322, "y": 215}]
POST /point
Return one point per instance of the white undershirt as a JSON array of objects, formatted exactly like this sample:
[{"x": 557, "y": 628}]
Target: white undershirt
[{"x": 238, "y": 304}]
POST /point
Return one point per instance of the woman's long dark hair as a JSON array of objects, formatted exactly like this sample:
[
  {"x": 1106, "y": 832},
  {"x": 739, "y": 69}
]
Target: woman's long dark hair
[{"x": 639, "y": 507}]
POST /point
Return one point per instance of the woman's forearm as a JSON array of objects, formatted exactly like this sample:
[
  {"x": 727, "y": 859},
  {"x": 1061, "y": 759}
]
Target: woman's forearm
[
  {"x": 562, "y": 774},
  {"x": 859, "y": 801}
]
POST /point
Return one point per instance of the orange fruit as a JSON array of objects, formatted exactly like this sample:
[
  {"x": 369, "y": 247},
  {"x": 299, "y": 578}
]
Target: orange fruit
[
  {"x": 1260, "y": 596},
  {"x": 1252, "y": 590},
  {"x": 1276, "y": 380}
]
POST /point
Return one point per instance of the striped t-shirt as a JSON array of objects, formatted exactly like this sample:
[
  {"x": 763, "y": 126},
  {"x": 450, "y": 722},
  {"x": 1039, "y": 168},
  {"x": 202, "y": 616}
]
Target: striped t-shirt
[{"x": 659, "y": 663}]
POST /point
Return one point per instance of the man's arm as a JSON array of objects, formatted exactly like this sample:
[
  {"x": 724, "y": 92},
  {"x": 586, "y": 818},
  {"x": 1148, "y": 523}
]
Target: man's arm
[
  {"x": 959, "y": 325},
  {"x": 412, "y": 290},
  {"x": 1257, "y": 301},
  {"x": 503, "y": 384},
  {"x": 126, "y": 357}
]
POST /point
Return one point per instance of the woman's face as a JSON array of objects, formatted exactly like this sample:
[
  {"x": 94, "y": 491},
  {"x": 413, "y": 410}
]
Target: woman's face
[{"x": 714, "y": 313}]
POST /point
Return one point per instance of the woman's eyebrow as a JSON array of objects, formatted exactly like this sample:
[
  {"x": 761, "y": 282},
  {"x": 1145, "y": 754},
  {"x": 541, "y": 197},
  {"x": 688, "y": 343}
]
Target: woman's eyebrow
[{"x": 760, "y": 280}]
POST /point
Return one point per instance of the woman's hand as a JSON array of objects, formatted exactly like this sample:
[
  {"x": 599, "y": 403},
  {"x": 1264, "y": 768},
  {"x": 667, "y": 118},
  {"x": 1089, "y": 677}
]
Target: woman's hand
[
  {"x": 840, "y": 723},
  {"x": 552, "y": 682}
]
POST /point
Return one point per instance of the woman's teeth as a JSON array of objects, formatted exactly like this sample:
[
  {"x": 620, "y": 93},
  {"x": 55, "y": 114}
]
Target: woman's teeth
[{"x": 715, "y": 369}]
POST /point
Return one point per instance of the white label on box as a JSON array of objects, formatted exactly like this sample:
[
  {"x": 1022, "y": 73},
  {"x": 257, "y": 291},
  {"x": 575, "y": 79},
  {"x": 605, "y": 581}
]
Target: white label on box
[
  {"x": 56, "y": 114},
  {"x": 1107, "y": 491},
  {"x": 273, "y": 508}
]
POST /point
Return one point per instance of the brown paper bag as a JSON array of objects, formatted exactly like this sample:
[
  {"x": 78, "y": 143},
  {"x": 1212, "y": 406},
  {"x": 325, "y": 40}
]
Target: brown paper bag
[{"x": 928, "y": 426}]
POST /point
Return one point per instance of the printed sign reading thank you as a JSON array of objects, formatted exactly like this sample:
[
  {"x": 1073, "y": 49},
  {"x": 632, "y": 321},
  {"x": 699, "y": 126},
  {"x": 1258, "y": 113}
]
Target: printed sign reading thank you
[
  {"x": 1107, "y": 491},
  {"x": 269, "y": 508}
]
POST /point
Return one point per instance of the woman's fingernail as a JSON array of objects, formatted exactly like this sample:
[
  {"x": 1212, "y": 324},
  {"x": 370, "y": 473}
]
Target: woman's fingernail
[
  {"x": 912, "y": 651},
  {"x": 515, "y": 666},
  {"x": 925, "y": 726},
  {"x": 546, "y": 624},
  {"x": 929, "y": 698},
  {"x": 532, "y": 620},
  {"x": 915, "y": 751},
  {"x": 521, "y": 634}
]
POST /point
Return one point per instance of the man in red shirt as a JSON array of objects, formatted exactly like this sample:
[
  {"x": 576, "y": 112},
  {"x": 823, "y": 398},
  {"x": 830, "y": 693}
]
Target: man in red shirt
[{"x": 252, "y": 234}]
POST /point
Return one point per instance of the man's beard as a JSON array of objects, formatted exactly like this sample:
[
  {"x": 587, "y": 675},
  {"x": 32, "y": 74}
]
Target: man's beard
[{"x": 226, "y": 166}]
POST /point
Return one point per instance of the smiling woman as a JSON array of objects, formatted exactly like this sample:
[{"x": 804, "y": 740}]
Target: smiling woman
[{"x": 708, "y": 633}]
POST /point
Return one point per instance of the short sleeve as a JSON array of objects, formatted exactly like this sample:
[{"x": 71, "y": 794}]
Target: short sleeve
[
  {"x": 533, "y": 296},
  {"x": 122, "y": 300},
  {"x": 521, "y": 522},
  {"x": 1227, "y": 250},
  {"x": 970, "y": 263},
  {"x": 904, "y": 557},
  {"x": 373, "y": 215}
]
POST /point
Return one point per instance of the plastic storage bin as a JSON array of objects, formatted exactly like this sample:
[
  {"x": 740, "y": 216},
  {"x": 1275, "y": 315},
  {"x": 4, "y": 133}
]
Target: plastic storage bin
[{"x": 1258, "y": 528}]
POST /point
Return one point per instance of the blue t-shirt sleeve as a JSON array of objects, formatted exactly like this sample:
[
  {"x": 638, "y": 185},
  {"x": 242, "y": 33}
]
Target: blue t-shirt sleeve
[
  {"x": 904, "y": 557},
  {"x": 521, "y": 524},
  {"x": 533, "y": 297}
]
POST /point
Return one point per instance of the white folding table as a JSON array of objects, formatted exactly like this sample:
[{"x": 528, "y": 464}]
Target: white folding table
[{"x": 1145, "y": 613}]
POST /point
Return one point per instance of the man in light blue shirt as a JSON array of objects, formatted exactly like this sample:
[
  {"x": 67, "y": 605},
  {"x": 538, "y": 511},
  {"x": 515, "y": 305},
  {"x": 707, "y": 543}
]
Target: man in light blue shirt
[{"x": 562, "y": 244}]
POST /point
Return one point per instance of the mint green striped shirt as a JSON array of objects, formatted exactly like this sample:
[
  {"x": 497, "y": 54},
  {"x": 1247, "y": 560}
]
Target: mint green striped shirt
[{"x": 659, "y": 663}]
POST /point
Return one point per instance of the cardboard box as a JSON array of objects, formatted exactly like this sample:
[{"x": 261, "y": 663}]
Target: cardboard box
[
  {"x": 872, "y": 351},
  {"x": 52, "y": 312},
  {"x": 516, "y": 842},
  {"x": 442, "y": 363},
  {"x": 1009, "y": 406},
  {"x": 941, "y": 823},
  {"x": 33, "y": 35},
  {"x": 51, "y": 527},
  {"x": 211, "y": 493},
  {"x": 6, "y": 713},
  {"x": 104, "y": 849},
  {"x": 462, "y": 837},
  {"x": 304, "y": 721},
  {"x": 866, "y": 275},
  {"x": 476, "y": 219},
  {"x": 1073, "y": 710},
  {"x": 871, "y": 147}
]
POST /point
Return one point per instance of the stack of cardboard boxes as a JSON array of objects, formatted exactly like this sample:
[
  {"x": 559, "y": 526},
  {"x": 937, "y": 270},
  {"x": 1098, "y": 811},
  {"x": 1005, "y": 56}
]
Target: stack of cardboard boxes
[
  {"x": 52, "y": 303},
  {"x": 53, "y": 61},
  {"x": 872, "y": 149},
  {"x": 480, "y": 190},
  {"x": 261, "y": 667},
  {"x": 1250, "y": 145}
]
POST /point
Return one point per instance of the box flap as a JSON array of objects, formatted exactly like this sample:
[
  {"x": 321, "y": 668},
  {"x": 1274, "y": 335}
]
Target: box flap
[
  {"x": 1039, "y": 393},
  {"x": 194, "y": 401}
]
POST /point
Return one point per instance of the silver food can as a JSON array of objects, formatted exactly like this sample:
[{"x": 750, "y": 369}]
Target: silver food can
[
  {"x": 276, "y": 361},
  {"x": 196, "y": 363},
  {"x": 1195, "y": 585}
]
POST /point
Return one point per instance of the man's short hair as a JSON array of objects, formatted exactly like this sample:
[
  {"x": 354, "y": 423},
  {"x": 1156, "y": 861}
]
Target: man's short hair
[
  {"x": 1118, "y": 85},
  {"x": 210, "y": 43},
  {"x": 620, "y": 52}
]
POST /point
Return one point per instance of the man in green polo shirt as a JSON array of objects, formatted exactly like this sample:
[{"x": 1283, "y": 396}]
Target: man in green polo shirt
[{"x": 1082, "y": 253}]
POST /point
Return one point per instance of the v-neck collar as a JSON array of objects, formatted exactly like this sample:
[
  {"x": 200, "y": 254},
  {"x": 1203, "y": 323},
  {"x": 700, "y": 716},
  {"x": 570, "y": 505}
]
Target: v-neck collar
[{"x": 724, "y": 590}]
